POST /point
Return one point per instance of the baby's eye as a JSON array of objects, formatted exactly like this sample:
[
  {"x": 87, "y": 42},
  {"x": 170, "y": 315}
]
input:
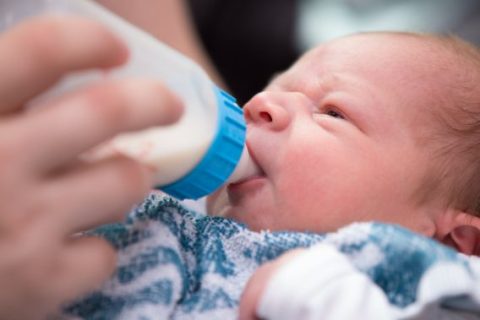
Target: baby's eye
[{"x": 335, "y": 114}]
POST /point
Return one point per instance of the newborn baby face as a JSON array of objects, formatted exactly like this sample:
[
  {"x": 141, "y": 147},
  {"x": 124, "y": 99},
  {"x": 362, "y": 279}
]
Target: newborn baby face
[{"x": 335, "y": 139}]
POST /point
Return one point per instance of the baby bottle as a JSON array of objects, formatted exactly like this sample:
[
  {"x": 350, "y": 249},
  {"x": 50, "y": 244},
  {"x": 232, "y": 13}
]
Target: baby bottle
[{"x": 191, "y": 158}]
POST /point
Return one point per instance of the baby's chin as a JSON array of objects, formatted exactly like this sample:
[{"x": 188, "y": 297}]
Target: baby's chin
[{"x": 218, "y": 203}]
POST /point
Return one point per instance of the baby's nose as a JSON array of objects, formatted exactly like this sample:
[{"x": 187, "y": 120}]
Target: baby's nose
[{"x": 267, "y": 109}]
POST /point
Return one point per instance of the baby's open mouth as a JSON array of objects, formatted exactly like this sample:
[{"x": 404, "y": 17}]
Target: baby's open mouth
[{"x": 248, "y": 169}]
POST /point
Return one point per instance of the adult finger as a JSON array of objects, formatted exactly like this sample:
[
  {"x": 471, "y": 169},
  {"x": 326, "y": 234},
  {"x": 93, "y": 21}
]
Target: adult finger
[
  {"x": 36, "y": 54},
  {"x": 82, "y": 266},
  {"x": 83, "y": 119},
  {"x": 98, "y": 193}
]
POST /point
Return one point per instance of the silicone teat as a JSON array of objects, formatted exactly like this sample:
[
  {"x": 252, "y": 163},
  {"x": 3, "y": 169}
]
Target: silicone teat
[{"x": 245, "y": 168}]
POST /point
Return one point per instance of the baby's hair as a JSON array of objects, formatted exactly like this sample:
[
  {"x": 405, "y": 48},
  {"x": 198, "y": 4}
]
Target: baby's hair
[{"x": 454, "y": 141}]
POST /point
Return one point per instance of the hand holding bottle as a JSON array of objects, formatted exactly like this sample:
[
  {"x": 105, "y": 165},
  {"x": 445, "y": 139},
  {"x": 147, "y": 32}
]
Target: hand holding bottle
[{"x": 47, "y": 193}]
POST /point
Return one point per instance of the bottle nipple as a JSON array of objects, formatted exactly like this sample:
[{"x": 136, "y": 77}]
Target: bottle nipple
[{"x": 245, "y": 168}]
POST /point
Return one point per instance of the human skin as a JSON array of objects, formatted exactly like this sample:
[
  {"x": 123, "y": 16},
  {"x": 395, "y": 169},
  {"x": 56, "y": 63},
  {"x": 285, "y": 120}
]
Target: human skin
[
  {"x": 47, "y": 193},
  {"x": 336, "y": 138}
]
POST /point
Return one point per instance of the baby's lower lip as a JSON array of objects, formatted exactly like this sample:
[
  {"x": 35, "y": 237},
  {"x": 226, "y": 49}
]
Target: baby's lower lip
[{"x": 245, "y": 185}]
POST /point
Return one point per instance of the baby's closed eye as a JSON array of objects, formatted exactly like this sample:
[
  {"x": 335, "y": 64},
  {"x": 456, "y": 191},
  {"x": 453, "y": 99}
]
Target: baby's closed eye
[
  {"x": 327, "y": 114},
  {"x": 334, "y": 114}
]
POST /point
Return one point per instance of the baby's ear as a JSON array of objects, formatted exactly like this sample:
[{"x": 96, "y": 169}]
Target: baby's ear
[{"x": 460, "y": 230}]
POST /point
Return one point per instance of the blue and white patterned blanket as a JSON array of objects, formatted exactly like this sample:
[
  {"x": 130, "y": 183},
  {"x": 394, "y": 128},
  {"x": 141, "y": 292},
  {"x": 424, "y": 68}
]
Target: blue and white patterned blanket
[{"x": 178, "y": 264}]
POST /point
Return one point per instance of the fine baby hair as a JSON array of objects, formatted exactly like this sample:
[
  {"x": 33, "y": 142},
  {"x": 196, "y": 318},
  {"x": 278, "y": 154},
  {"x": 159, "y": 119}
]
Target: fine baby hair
[{"x": 453, "y": 135}]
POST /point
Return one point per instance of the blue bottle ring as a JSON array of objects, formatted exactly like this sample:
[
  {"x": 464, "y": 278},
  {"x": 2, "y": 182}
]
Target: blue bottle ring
[{"x": 222, "y": 157}]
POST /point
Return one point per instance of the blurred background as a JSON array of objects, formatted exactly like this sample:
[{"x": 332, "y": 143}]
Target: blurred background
[{"x": 251, "y": 40}]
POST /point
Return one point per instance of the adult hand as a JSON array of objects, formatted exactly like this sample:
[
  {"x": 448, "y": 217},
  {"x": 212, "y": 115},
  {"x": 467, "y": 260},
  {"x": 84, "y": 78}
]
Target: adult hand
[{"x": 46, "y": 192}]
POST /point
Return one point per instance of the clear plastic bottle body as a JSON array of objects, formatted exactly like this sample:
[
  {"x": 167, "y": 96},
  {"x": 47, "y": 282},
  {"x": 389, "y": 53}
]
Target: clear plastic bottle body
[{"x": 181, "y": 145}]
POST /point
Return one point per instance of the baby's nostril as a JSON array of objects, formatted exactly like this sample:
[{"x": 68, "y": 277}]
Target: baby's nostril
[{"x": 266, "y": 116}]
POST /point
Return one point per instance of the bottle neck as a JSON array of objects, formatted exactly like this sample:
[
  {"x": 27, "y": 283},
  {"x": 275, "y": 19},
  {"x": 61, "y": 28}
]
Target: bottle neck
[
  {"x": 222, "y": 157},
  {"x": 245, "y": 168}
]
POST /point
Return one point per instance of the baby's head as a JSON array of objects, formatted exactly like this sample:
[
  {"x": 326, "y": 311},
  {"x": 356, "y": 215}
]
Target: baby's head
[{"x": 382, "y": 126}]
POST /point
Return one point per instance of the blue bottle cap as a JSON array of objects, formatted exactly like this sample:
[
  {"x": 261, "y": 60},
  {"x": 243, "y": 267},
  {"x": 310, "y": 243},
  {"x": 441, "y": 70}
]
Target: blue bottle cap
[{"x": 221, "y": 158}]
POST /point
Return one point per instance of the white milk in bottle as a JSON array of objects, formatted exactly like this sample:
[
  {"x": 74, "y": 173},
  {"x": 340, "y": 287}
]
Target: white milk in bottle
[{"x": 191, "y": 158}]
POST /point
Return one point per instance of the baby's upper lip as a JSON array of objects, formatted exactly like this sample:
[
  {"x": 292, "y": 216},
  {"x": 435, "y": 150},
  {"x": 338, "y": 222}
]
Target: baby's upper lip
[
  {"x": 251, "y": 151},
  {"x": 254, "y": 157},
  {"x": 254, "y": 172}
]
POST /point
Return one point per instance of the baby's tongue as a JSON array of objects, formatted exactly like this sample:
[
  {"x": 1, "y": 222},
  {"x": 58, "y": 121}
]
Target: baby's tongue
[{"x": 245, "y": 169}]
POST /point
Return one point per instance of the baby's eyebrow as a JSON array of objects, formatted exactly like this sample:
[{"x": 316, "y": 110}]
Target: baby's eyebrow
[
  {"x": 283, "y": 82},
  {"x": 317, "y": 87},
  {"x": 357, "y": 97}
]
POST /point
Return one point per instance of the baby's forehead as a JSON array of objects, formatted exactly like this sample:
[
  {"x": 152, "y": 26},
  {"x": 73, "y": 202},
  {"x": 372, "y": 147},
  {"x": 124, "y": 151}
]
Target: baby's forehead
[
  {"x": 413, "y": 73},
  {"x": 382, "y": 60},
  {"x": 417, "y": 69},
  {"x": 377, "y": 51},
  {"x": 406, "y": 64}
]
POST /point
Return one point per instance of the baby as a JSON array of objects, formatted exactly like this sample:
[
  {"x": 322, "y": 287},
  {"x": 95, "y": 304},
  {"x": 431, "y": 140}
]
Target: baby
[
  {"x": 379, "y": 127},
  {"x": 372, "y": 127}
]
